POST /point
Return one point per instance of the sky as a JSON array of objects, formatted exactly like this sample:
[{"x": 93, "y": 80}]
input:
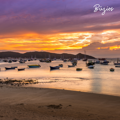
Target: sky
[{"x": 61, "y": 26}]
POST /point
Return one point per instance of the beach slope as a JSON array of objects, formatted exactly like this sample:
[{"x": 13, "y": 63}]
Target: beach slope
[{"x": 20, "y": 103}]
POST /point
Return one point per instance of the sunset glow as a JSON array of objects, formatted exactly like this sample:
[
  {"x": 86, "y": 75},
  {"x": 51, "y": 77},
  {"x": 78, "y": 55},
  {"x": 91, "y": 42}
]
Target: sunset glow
[{"x": 47, "y": 25}]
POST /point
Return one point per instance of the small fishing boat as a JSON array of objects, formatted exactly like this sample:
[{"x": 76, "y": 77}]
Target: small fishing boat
[
  {"x": 5, "y": 60},
  {"x": 14, "y": 60},
  {"x": 78, "y": 69},
  {"x": 45, "y": 60},
  {"x": 97, "y": 61},
  {"x": 105, "y": 62},
  {"x": 112, "y": 69},
  {"x": 117, "y": 66},
  {"x": 10, "y": 61},
  {"x": 74, "y": 62},
  {"x": 71, "y": 65},
  {"x": 34, "y": 66},
  {"x": 65, "y": 60},
  {"x": 85, "y": 59},
  {"x": 48, "y": 61},
  {"x": 116, "y": 63},
  {"x": 41, "y": 60},
  {"x": 21, "y": 69},
  {"x": 10, "y": 68},
  {"x": 91, "y": 66},
  {"x": 22, "y": 61},
  {"x": 61, "y": 65},
  {"x": 54, "y": 68},
  {"x": 90, "y": 63}
]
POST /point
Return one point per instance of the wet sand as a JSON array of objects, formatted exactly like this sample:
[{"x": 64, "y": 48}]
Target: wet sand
[{"x": 20, "y": 103}]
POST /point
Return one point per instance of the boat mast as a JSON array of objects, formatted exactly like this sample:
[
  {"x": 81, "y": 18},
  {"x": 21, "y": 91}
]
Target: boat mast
[{"x": 85, "y": 54}]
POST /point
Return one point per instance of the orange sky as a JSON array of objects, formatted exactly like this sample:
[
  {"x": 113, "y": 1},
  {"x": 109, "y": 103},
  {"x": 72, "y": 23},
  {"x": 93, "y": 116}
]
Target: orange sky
[{"x": 58, "y": 41}]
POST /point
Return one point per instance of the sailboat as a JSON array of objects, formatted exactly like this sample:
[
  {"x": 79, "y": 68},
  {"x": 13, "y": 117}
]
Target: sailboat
[
  {"x": 85, "y": 59},
  {"x": 117, "y": 62}
]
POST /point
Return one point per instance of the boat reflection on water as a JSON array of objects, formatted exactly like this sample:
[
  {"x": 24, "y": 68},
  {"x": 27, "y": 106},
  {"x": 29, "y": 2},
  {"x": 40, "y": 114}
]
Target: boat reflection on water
[{"x": 66, "y": 78}]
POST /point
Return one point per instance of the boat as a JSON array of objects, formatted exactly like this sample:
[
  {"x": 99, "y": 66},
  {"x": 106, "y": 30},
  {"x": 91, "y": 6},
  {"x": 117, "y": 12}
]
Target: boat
[
  {"x": 10, "y": 68},
  {"x": 22, "y": 61},
  {"x": 65, "y": 60},
  {"x": 71, "y": 65},
  {"x": 78, "y": 69},
  {"x": 91, "y": 66},
  {"x": 90, "y": 63},
  {"x": 97, "y": 61},
  {"x": 61, "y": 65},
  {"x": 5, "y": 60},
  {"x": 74, "y": 62},
  {"x": 112, "y": 69},
  {"x": 29, "y": 59},
  {"x": 105, "y": 62},
  {"x": 48, "y": 60},
  {"x": 34, "y": 66},
  {"x": 41, "y": 60},
  {"x": 117, "y": 62},
  {"x": 21, "y": 69},
  {"x": 54, "y": 68},
  {"x": 14, "y": 60},
  {"x": 45, "y": 60},
  {"x": 117, "y": 66},
  {"x": 10, "y": 61},
  {"x": 84, "y": 59}
]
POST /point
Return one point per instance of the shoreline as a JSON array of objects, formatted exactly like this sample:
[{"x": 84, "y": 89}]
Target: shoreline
[
  {"x": 52, "y": 88},
  {"x": 61, "y": 89},
  {"x": 22, "y": 103}
]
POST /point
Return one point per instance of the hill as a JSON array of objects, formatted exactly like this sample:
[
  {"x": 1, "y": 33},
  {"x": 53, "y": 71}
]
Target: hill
[{"x": 42, "y": 55}]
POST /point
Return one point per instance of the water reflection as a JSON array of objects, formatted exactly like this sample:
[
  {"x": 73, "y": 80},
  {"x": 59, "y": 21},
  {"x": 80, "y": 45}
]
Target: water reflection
[
  {"x": 97, "y": 80},
  {"x": 96, "y": 84}
]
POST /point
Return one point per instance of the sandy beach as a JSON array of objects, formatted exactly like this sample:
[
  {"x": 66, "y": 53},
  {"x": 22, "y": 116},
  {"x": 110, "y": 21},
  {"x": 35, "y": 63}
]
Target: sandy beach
[{"x": 20, "y": 103}]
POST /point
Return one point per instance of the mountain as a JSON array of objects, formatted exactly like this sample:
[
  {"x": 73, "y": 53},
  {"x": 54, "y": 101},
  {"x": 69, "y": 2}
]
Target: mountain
[{"x": 42, "y": 55}]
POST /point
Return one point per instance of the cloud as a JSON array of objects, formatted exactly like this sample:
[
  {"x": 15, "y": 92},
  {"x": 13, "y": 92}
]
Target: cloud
[{"x": 47, "y": 16}]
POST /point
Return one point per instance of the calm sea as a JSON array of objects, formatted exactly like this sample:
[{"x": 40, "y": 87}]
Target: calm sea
[{"x": 97, "y": 80}]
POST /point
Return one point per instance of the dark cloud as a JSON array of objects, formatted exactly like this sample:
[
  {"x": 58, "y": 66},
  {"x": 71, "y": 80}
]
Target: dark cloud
[{"x": 48, "y": 16}]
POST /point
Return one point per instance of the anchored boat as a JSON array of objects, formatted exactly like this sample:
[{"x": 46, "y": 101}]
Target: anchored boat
[
  {"x": 21, "y": 69},
  {"x": 34, "y": 66},
  {"x": 71, "y": 65},
  {"x": 105, "y": 62},
  {"x": 61, "y": 65},
  {"x": 112, "y": 69},
  {"x": 117, "y": 66},
  {"x": 54, "y": 68},
  {"x": 78, "y": 69},
  {"x": 91, "y": 66},
  {"x": 118, "y": 63},
  {"x": 90, "y": 63},
  {"x": 10, "y": 68}
]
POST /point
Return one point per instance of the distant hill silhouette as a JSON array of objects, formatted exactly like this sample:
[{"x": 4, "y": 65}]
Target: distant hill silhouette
[{"x": 42, "y": 55}]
